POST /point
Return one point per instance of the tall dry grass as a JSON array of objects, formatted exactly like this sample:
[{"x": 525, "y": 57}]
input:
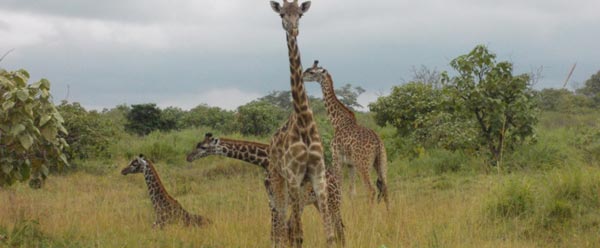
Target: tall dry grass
[{"x": 107, "y": 209}]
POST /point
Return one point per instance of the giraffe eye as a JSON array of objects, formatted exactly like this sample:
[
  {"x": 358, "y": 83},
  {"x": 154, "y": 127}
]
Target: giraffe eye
[
  {"x": 281, "y": 15},
  {"x": 301, "y": 15}
]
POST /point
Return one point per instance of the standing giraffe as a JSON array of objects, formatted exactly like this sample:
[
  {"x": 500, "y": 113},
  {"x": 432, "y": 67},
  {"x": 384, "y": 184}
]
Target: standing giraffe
[
  {"x": 352, "y": 144},
  {"x": 258, "y": 154},
  {"x": 167, "y": 209},
  {"x": 296, "y": 153}
]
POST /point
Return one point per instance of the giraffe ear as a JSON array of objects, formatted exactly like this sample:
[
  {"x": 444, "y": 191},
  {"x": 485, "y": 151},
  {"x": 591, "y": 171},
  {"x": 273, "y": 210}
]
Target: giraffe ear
[
  {"x": 141, "y": 156},
  {"x": 305, "y": 6},
  {"x": 208, "y": 135},
  {"x": 275, "y": 6}
]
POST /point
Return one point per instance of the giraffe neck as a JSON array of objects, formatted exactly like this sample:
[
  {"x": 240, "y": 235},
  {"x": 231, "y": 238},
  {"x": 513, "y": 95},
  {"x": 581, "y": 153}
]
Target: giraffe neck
[
  {"x": 251, "y": 152},
  {"x": 300, "y": 99},
  {"x": 156, "y": 190},
  {"x": 339, "y": 115}
]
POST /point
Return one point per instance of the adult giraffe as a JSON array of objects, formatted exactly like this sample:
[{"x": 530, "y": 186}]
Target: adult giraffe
[
  {"x": 296, "y": 153},
  {"x": 352, "y": 144}
]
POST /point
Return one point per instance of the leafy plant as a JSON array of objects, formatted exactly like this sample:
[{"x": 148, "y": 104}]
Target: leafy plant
[
  {"x": 30, "y": 129},
  {"x": 502, "y": 104}
]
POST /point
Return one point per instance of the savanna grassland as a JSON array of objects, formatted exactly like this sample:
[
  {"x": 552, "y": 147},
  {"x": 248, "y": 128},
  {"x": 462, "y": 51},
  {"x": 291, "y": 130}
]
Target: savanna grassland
[{"x": 546, "y": 194}]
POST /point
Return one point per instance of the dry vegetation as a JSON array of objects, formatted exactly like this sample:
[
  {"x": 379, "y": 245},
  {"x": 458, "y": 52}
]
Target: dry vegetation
[{"x": 105, "y": 209}]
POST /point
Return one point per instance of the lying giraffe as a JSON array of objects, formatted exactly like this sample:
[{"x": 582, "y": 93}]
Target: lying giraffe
[
  {"x": 167, "y": 209},
  {"x": 352, "y": 144},
  {"x": 258, "y": 154}
]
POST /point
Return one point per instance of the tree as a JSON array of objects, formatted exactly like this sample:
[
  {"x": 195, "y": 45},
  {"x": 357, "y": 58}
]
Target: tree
[
  {"x": 281, "y": 99},
  {"x": 171, "y": 118},
  {"x": 143, "y": 119},
  {"x": 502, "y": 104},
  {"x": 348, "y": 95},
  {"x": 90, "y": 133},
  {"x": 562, "y": 100},
  {"x": 212, "y": 117},
  {"x": 259, "y": 118},
  {"x": 591, "y": 89},
  {"x": 423, "y": 113},
  {"x": 30, "y": 127}
]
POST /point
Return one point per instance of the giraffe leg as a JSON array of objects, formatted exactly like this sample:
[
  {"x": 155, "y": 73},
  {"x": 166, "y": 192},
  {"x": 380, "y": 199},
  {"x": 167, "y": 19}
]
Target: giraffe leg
[
  {"x": 365, "y": 174},
  {"x": 295, "y": 227},
  {"x": 334, "y": 197},
  {"x": 352, "y": 179},
  {"x": 278, "y": 210},
  {"x": 319, "y": 184}
]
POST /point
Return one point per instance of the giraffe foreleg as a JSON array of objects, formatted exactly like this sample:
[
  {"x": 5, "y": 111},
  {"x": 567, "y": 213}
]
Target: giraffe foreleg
[
  {"x": 319, "y": 184},
  {"x": 279, "y": 233}
]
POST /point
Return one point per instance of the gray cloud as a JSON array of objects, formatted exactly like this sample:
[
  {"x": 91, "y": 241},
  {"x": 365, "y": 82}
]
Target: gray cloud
[{"x": 110, "y": 52}]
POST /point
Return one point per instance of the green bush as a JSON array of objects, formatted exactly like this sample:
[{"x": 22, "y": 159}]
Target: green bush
[
  {"x": 259, "y": 118},
  {"x": 90, "y": 133}
]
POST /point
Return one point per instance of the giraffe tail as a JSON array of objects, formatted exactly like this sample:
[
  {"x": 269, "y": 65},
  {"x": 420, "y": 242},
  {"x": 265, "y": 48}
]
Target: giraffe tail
[{"x": 381, "y": 169}]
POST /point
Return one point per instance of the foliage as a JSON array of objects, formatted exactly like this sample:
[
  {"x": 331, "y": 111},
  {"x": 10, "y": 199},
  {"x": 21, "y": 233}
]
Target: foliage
[
  {"x": 591, "y": 89},
  {"x": 213, "y": 117},
  {"x": 143, "y": 119},
  {"x": 30, "y": 127},
  {"x": 425, "y": 115},
  {"x": 90, "y": 133},
  {"x": 281, "y": 99},
  {"x": 171, "y": 118},
  {"x": 503, "y": 104},
  {"x": 259, "y": 118},
  {"x": 562, "y": 100},
  {"x": 348, "y": 95}
]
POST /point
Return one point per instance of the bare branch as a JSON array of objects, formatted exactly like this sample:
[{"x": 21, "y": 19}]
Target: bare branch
[{"x": 5, "y": 54}]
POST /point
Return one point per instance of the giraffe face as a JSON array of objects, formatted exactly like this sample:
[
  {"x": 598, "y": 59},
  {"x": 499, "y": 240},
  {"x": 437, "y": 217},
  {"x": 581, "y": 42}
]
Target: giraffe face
[
  {"x": 290, "y": 13},
  {"x": 204, "y": 148},
  {"x": 136, "y": 165},
  {"x": 314, "y": 74}
]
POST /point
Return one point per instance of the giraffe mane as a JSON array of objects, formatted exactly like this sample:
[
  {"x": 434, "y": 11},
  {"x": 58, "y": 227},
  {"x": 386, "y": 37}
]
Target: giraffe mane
[
  {"x": 344, "y": 107},
  {"x": 245, "y": 142}
]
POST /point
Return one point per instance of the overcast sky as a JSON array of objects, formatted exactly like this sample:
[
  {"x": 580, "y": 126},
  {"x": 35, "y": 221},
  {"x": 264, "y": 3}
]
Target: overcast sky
[{"x": 226, "y": 53}]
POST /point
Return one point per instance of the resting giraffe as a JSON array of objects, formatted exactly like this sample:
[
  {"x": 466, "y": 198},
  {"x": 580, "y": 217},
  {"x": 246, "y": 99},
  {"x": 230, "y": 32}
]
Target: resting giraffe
[
  {"x": 258, "y": 154},
  {"x": 167, "y": 209},
  {"x": 295, "y": 151},
  {"x": 352, "y": 144}
]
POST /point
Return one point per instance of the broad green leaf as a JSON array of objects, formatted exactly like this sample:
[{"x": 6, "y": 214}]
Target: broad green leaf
[
  {"x": 17, "y": 129},
  {"x": 7, "y": 168},
  {"x": 23, "y": 95},
  {"x": 44, "y": 170},
  {"x": 26, "y": 141},
  {"x": 44, "y": 119},
  {"x": 49, "y": 133},
  {"x": 8, "y": 105}
]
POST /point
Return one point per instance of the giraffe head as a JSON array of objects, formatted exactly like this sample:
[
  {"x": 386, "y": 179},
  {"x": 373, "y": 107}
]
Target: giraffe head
[
  {"x": 204, "y": 148},
  {"x": 290, "y": 13},
  {"x": 315, "y": 73},
  {"x": 136, "y": 165}
]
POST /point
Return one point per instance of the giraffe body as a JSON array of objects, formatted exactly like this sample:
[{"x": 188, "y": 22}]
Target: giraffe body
[
  {"x": 296, "y": 153},
  {"x": 258, "y": 154},
  {"x": 353, "y": 145},
  {"x": 167, "y": 209}
]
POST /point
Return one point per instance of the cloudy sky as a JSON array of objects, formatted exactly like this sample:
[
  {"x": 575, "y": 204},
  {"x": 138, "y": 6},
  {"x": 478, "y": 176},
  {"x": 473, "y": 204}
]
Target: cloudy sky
[{"x": 226, "y": 53}]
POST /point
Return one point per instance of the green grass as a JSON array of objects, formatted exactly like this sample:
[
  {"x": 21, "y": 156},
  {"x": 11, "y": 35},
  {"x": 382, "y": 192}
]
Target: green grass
[{"x": 546, "y": 195}]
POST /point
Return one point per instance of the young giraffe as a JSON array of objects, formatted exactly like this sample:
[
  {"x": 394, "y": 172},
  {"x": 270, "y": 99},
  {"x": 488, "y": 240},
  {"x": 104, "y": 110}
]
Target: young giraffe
[
  {"x": 167, "y": 209},
  {"x": 258, "y": 154},
  {"x": 296, "y": 153},
  {"x": 352, "y": 144}
]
